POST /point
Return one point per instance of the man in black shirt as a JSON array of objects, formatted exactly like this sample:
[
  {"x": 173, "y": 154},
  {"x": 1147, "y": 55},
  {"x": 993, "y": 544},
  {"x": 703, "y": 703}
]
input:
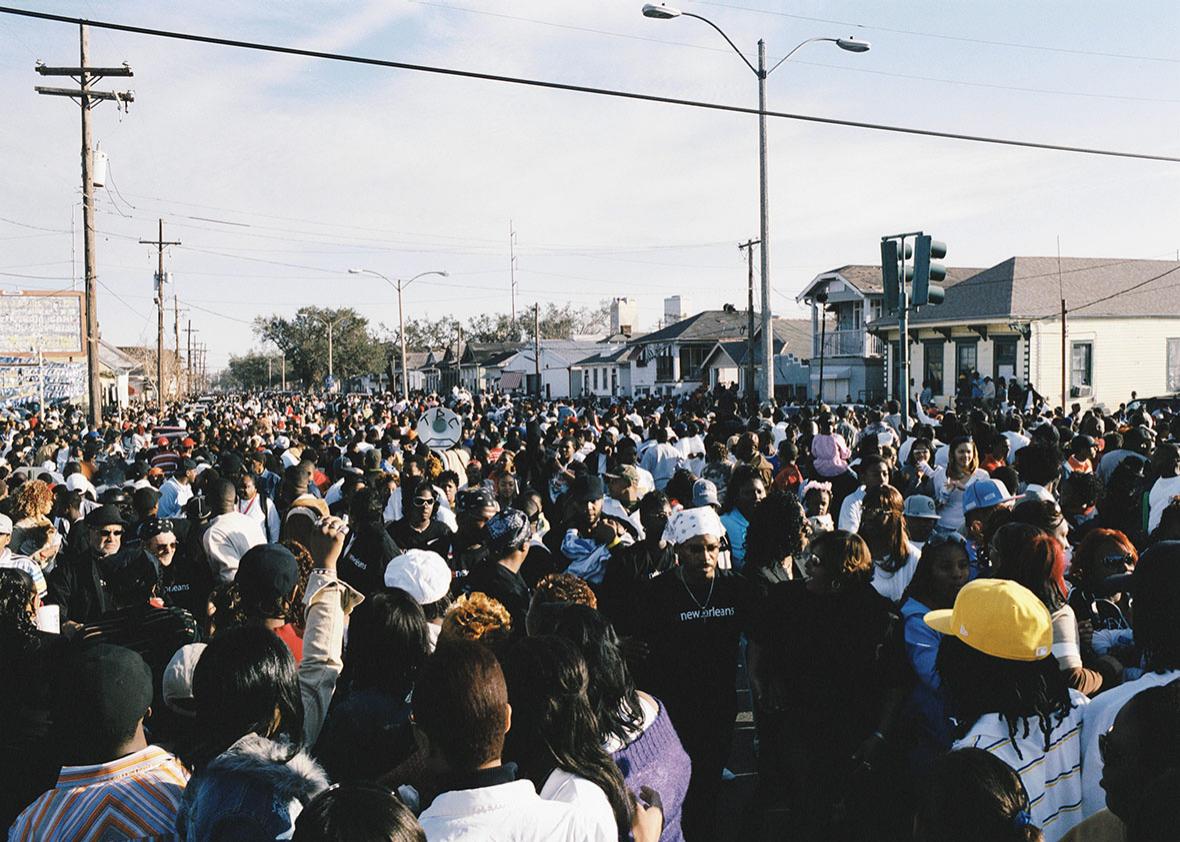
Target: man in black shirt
[
  {"x": 692, "y": 618},
  {"x": 418, "y": 530},
  {"x": 508, "y": 533},
  {"x": 631, "y": 566}
]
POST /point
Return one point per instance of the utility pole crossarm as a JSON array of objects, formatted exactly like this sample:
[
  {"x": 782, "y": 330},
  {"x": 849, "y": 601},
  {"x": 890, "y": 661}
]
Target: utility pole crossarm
[
  {"x": 44, "y": 70},
  {"x": 75, "y": 93}
]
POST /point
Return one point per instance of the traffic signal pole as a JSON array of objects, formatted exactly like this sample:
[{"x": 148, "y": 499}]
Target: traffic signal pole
[{"x": 925, "y": 274}]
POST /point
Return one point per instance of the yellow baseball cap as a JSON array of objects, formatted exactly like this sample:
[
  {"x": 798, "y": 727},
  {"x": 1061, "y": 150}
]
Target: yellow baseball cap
[{"x": 1000, "y": 618}]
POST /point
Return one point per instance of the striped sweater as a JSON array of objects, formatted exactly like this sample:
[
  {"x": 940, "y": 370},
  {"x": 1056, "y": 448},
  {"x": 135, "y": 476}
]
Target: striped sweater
[
  {"x": 1053, "y": 777},
  {"x": 134, "y": 797}
]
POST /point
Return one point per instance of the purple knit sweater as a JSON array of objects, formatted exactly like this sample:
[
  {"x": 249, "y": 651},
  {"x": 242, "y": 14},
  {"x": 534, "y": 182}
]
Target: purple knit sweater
[{"x": 656, "y": 759}]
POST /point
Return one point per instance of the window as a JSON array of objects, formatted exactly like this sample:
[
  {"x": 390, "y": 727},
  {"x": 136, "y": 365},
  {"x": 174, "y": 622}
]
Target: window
[
  {"x": 1081, "y": 366},
  {"x": 1005, "y": 359},
  {"x": 1173, "y": 366},
  {"x": 692, "y": 358},
  {"x": 966, "y": 357},
  {"x": 932, "y": 353},
  {"x": 664, "y": 365}
]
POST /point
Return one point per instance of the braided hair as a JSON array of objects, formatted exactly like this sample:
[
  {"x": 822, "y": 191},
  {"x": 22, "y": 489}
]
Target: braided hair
[{"x": 1017, "y": 691}]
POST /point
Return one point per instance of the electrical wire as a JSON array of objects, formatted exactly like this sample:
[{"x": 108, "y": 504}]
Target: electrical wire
[
  {"x": 585, "y": 89},
  {"x": 960, "y": 38},
  {"x": 773, "y": 60}
]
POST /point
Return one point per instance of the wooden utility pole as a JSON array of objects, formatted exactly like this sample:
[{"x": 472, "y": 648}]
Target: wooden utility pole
[
  {"x": 189, "y": 356},
  {"x": 87, "y": 98},
  {"x": 1064, "y": 361},
  {"x": 159, "y": 243},
  {"x": 176, "y": 340},
  {"x": 751, "y": 389},
  {"x": 512, "y": 271},
  {"x": 537, "y": 347}
]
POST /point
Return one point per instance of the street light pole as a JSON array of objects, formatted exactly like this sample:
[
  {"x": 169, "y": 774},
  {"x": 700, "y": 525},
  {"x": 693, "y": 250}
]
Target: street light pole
[
  {"x": 401, "y": 337},
  {"x": 662, "y": 11},
  {"x": 399, "y": 285},
  {"x": 764, "y": 216}
]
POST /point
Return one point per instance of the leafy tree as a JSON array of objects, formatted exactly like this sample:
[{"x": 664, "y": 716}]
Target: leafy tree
[
  {"x": 304, "y": 340},
  {"x": 253, "y": 370}
]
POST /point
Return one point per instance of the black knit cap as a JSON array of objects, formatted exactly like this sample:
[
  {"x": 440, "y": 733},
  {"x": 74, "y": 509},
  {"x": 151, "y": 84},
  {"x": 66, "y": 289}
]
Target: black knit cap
[
  {"x": 267, "y": 574},
  {"x": 110, "y": 689}
]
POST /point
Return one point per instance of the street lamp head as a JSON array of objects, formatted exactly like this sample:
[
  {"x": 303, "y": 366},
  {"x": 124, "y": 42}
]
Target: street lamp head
[
  {"x": 660, "y": 11},
  {"x": 853, "y": 44}
]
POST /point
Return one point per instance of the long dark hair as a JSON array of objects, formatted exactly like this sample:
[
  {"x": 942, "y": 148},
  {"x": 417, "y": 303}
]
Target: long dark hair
[
  {"x": 1018, "y": 691},
  {"x": 17, "y": 627},
  {"x": 776, "y": 530},
  {"x": 612, "y": 693},
  {"x": 975, "y": 796},
  {"x": 553, "y": 724},
  {"x": 387, "y": 644},
  {"x": 244, "y": 676}
]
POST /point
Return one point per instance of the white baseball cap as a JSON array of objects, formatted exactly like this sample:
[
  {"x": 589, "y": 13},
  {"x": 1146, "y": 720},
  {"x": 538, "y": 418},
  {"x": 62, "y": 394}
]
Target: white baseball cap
[{"x": 420, "y": 573}]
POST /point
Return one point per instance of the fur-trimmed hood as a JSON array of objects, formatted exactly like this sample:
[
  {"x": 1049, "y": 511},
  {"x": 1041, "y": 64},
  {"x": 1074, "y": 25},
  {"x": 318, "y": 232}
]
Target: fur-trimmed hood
[{"x": 250, "y": 791}]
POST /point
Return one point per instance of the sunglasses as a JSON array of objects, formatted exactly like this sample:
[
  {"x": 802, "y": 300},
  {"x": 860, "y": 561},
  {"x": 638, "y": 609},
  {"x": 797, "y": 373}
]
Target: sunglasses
[
  {"x": 422, "y": 502},
  {"x": 163, "y": 548},
  {"x": 939, "y": 538},
  {"x": 1118, "y": 562},
  {"x": 111, "y": 533}
]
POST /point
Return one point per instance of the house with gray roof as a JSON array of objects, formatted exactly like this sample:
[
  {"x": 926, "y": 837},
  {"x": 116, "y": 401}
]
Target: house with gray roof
[
  {"x": 843, "y": 303},
  {"x": 1122, "y": 330},
  {"x": 727, "y": 363},
  {"x": 671, "y": 360}
]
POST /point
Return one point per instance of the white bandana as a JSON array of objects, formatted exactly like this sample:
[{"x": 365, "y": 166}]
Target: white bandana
[{"x": 689, "y": 523}]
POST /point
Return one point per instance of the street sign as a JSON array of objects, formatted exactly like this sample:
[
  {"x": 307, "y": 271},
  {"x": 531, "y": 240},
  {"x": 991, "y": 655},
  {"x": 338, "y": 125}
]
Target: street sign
[{"x": 439, "y": 428}]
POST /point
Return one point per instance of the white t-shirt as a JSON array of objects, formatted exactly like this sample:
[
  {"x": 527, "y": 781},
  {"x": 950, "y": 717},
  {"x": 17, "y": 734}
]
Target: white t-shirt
[
  {"x": 1161, "y": 495},
  {"x": 1100, "y": 714},
  {"x": 892, "y": 584},
  {"x": 586, "y": 797},
  {"x": 1053, "y": 778}
]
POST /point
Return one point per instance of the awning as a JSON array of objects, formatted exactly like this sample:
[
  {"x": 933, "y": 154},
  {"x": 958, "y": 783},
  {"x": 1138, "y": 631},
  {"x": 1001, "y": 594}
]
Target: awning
[
  {"x": 510, "y": 380},
  {"x": 840, "y": 372}
]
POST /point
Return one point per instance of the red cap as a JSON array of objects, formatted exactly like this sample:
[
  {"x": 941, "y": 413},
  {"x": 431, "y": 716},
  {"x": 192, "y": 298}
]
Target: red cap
[
  {"x": 162, "y": 441},
  {"x": 188, "y": 442}
]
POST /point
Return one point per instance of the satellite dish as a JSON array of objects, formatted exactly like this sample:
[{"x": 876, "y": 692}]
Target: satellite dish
[{"x": 440, "y": 428}]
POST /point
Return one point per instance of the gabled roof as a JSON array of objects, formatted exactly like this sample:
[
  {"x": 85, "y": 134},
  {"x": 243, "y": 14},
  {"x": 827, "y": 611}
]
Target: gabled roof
[
  {"x": 414, "y": 360},
  {"x": 1031, "y": 288},
  {"x": 867, "y": 279},
  {"x": 116, "y": 360},
  {"x": 791, "y": 336},
  {"x": 489, "y": 353},
  {"x": 607, "y": 357},
  {"x": 705, "y": 327}
]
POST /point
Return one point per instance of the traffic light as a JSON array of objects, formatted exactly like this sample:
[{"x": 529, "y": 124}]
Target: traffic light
[
  {"x": 889, "y": 274},
  {"x": 928, "y": 272},
  {"x": 891, "y": 263}
]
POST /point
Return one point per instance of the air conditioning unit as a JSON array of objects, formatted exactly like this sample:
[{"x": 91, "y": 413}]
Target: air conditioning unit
[{"x": 1081, "y": 391}]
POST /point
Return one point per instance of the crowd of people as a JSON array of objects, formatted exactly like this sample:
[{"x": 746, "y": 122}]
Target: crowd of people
[{"x": 285, "y": 616}]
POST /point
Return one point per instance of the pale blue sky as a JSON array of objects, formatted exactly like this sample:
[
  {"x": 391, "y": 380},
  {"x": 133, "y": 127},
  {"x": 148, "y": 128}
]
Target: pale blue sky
[{"x": 337, "y": 166}]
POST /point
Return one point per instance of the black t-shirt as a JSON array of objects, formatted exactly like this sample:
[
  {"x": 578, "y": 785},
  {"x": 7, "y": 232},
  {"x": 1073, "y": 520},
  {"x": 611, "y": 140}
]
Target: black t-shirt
[
  {"x": 627, "y": 570},
  {"x": 836, "y": 654},
  {"x": 436, "y": 537},
  {"x": 694, "y": 639},
  {"x": 504, "y": 586},
  {"x": 364, "y": 559}
]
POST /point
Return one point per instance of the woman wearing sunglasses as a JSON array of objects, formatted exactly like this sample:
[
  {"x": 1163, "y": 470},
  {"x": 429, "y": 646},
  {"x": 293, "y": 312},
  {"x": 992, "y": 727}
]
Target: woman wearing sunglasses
[{"x": 942, "y": 570}]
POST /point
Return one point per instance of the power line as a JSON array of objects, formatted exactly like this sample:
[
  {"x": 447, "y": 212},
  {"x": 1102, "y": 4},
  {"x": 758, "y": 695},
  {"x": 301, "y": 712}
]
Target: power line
[
  {"x": 842, "y": 67},
  {"x": 1131, "y": 288},
  {"x": 585, "y": 89},
  {"x": 961, "y": 38}
]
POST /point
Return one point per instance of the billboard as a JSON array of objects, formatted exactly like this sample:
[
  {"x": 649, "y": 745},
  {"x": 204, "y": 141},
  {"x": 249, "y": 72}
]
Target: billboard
[{"x": 51, "y": 320}]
